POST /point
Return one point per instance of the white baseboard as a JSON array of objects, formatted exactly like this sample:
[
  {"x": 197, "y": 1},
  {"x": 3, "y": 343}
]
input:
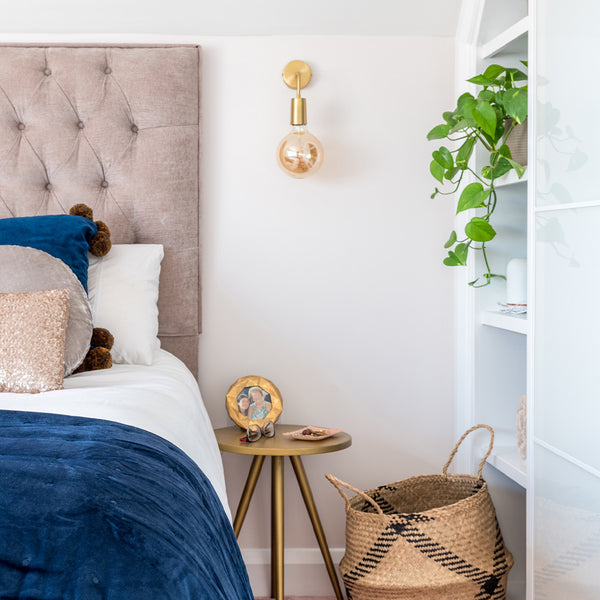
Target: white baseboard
[{"x": 305, "y": 573}]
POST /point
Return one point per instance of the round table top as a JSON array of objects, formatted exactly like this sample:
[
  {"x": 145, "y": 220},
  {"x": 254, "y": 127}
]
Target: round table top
[{"x": 279, "y": 445}]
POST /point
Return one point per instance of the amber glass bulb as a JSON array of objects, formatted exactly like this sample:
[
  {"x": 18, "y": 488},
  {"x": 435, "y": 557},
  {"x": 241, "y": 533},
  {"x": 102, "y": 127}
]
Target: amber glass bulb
[{"x": 300, "y": 153}]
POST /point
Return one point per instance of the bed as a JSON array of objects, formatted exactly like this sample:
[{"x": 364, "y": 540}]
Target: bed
[{"x": 111, "y": 483}]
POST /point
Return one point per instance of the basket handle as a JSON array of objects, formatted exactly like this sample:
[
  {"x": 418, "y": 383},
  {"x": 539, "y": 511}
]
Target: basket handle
[
  {"x": 465, "y": 434},
  {"x": 338, "y": 484}
]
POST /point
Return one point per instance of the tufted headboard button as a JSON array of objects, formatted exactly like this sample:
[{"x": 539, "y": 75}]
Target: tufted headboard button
[
  {"x": 49, "y": 187},
  {"x": 104, "y": 184},
  {"x": 20, "y": 126},
  {"x": 134, "y": 128},
  {"x": 108, "y": 70},
  {"x": 81, "y": 124},
  {"x": 47, "y": 71}
]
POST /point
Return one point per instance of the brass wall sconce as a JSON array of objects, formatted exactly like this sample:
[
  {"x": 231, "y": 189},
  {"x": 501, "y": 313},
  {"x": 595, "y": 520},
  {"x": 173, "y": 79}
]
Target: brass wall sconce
[{"x": 299, "y": 154}]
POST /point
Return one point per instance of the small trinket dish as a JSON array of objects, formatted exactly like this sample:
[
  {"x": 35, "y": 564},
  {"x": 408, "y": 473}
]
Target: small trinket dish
[{"x": 312, "y": 433}]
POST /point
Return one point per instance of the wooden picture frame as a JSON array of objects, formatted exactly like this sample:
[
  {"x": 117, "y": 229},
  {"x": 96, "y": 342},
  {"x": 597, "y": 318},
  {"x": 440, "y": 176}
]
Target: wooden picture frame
[{"x": 253, "y": 399}]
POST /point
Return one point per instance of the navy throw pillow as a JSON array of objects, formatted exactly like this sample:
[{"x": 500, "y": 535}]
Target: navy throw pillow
[{"x": 63, "y": 236}]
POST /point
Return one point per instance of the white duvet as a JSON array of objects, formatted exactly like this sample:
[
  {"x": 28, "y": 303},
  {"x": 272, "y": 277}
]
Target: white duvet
[{"x": 162, "y": 398}]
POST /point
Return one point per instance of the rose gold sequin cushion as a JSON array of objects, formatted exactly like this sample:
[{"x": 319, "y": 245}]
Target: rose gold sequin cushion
[
  {"x": 32, "y": 340},
  {"x": 25, "y": 269}
]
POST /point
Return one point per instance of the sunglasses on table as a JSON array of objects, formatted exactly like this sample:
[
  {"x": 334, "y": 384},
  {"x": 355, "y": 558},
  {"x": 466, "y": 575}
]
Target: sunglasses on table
[{"x": 255, "y": 432}]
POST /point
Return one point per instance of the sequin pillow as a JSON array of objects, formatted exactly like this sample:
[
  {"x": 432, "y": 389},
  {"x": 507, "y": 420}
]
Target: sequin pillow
[
  {"x": 30, "y": 270},
  {"x": 32, "y": 340}
]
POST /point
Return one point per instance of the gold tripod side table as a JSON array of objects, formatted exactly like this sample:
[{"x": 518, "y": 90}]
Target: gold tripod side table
[{"x": 277, "y": 447}]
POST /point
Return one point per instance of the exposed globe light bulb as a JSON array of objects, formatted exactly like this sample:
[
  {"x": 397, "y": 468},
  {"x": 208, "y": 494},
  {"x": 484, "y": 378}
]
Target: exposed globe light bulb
[{"x": 300, "y": 153}]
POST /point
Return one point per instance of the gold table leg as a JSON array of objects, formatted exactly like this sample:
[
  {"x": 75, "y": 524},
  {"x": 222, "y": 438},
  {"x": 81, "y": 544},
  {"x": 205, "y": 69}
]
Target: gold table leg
[
  {"x": 277, "y": 527},
  {"x": 316, "y": 522},
  {"x": 242, "y": 509}
]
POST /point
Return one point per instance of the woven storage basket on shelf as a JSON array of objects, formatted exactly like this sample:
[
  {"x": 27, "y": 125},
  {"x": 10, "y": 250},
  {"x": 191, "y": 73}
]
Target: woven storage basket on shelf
[{"x": 425, "y": 538}]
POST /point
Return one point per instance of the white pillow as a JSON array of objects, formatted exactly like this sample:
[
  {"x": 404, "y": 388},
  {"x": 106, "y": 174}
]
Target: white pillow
[{"x": 123, "y": 293}]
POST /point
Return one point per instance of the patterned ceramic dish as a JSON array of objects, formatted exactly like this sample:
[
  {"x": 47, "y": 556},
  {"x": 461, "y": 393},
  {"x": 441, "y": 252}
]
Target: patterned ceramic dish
[{"x": 311, "y": 433}]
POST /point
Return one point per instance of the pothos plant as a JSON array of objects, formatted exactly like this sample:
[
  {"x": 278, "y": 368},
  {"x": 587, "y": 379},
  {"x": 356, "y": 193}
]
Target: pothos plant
[{"x": 485, "y": 121}]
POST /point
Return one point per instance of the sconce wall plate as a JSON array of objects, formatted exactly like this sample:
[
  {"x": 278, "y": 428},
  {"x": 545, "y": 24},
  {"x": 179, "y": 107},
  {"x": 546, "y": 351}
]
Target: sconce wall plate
[{"x": 291, "y": 72}]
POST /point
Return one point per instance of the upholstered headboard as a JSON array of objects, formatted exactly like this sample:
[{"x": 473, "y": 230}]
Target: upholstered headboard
[{"x": 117, "y": 128}]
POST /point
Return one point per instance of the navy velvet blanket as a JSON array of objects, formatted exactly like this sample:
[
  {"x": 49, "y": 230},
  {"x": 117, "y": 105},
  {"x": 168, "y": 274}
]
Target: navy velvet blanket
[{"x": 93, "y": 509}]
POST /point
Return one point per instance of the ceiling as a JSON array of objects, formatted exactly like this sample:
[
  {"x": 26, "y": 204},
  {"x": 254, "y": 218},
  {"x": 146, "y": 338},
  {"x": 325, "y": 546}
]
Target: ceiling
[{"x": 234, "y": 17}]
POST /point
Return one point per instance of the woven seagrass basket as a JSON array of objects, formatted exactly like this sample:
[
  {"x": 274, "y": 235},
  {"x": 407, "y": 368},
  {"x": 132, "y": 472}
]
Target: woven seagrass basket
[{"x": 424, "y": 538}]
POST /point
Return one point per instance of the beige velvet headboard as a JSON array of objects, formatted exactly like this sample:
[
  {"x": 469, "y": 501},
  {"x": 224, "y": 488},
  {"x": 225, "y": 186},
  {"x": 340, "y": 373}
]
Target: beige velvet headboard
[{"x": 117, "y": 128}]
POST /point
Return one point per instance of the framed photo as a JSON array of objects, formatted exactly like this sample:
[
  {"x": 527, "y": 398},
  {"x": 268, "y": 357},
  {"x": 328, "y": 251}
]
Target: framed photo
[{"x": 253, "y": 399}]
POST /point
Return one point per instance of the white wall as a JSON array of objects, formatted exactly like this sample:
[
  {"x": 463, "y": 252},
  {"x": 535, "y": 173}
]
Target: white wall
[{"x": 332, "y": 287}]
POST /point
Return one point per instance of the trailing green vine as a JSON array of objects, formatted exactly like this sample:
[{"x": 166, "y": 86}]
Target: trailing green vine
[{"x": 485, "y": 121}]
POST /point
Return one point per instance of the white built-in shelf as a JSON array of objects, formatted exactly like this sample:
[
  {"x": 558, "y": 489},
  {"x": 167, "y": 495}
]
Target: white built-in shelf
[
  {"x": 511, "y": 178},
  {"x": 505, "y": 457},
  {"x": 511, "y": 41},
  {"x": 506, "y": 321}
]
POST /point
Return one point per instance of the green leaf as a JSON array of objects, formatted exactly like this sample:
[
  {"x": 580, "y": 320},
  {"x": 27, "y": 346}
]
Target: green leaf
[
  {"x": 504, "y": 150},
  {"x": 464, "y": 153},
  {"x": 461, "y": 252},
  {"x": 464, "y": 123},
  {"x": 481, "y": 80},
  {"x": 466, "y": 108},
  {"x": 452, "y": 260},
  {"x": 479, "y": 230},
  {"x": 437, "y": 171},
  {"x": 449, "y": 118},
  {"x": 493, "y": 71},
  {"x": 491, "y": 140},
  {"x": 520, "y": 169},
  {"x": 485, "y": 115},
  {"x": 435, "y": 193},
  {"x": 451, "y": 240},
  {"x": 443, "y": 157},
  {"x": 502, "y": 167},
  {"x": 439, "y": 132},
  {"x": 486, "y": 95},
  {"x": 515, "y": 104},
  {"x": 451, "y": 173},
  {"x": 466, "y": 97},
  {"x": 515, "y": 75},
  {"x": 473, "y": 196}
]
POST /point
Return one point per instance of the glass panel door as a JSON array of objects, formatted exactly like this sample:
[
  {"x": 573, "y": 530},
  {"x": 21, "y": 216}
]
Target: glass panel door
[{"x": 566, "y": 341}]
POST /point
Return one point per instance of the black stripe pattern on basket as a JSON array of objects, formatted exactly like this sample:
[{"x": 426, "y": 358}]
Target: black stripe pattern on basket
[{"x": 489, "y": 584}]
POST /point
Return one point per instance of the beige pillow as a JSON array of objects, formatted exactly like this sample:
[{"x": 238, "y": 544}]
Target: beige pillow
[
  {"x": 25, "y": 269},
  {"x": 32, "y": 340}
]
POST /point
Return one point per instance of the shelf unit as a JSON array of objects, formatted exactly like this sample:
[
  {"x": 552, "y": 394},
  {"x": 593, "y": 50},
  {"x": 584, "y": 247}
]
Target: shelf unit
[
  {"x": 511, "y": 179},
  {"x": 512, "y": 40},
  {"x": 517, "y": 323},
  {"x": 506, "y": 458},
  {"x": 507, "y": 47},
  {"x": 547, "y": 504},
  {"x": 493, "y": 343}
]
